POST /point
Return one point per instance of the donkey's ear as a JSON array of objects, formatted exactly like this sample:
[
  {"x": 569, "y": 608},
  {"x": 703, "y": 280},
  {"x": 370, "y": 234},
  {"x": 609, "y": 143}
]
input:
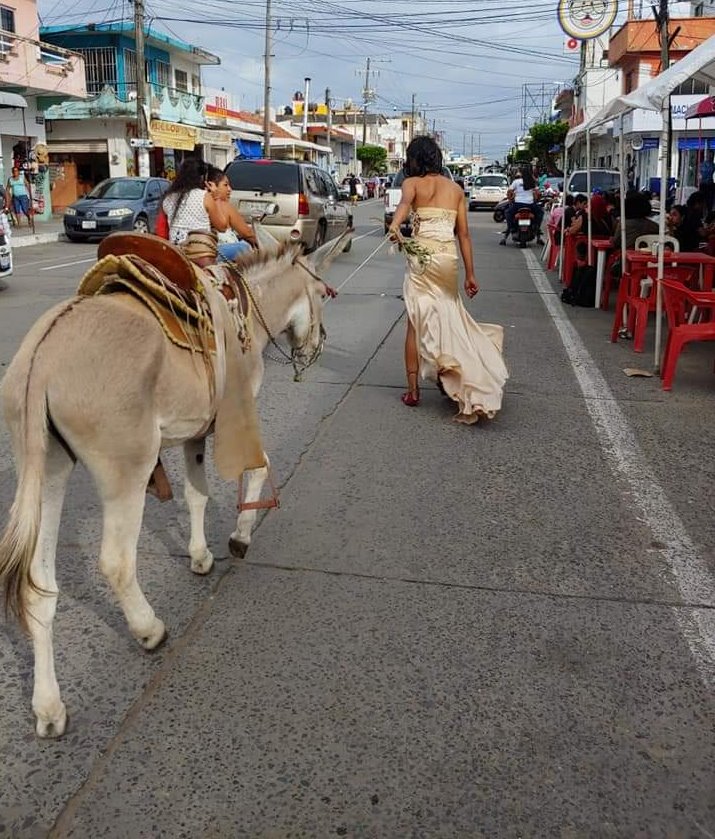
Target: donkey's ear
[
  {"x": 267, "y": 243},
  {"x": 325, "y": 254}
]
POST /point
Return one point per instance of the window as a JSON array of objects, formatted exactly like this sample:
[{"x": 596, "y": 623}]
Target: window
[
  {"x": 153, "y": 191},
  {"x": 181, "y": 80},
  {"x": 163, "y": 74},
  {"x": 692, "y": 86},
  {"x": 196, "y": 83},
  {"x": 100, "y": 68},
  {"x": 7, "y": 19}
]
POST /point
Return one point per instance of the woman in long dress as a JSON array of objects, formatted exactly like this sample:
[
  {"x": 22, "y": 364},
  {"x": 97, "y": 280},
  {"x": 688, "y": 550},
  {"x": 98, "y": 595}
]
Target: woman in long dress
[{"x": 443, "y": 343}]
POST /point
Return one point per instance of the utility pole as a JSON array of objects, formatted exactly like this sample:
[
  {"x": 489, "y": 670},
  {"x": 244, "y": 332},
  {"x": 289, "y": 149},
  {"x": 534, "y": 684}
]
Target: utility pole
[
  {"x": 267, "y": 84},
  {"x": 412, "y": 120},
  {"x": 329, "y": 121},
  {"x": 365, "y": 100},
  {"x": 306, "y": 96},
  {"x": 142, "y": 127}
]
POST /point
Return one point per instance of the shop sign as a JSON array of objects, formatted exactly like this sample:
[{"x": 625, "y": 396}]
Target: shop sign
[
  {"x": 172, "y": 135},
  {"x": 210, "y": 137}
]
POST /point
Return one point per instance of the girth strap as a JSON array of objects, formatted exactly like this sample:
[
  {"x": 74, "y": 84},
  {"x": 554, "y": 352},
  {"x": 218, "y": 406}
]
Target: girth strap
[{"x": 265, "y": 504}]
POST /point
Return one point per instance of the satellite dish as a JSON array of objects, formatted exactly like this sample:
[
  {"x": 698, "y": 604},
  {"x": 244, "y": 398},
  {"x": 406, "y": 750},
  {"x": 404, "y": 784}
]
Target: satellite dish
[{"x": 636, "y": 142}]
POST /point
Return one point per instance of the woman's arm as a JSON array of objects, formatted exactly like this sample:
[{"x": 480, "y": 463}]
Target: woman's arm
[
  {"x": 471, "y": 286},
  {"x": 218, "y": 212},
  {"x": 409, "y": 192},
  {"x": 240, "y": 225}
]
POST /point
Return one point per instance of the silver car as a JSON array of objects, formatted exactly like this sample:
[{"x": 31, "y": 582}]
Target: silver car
[{"x": 306, "y": 199}]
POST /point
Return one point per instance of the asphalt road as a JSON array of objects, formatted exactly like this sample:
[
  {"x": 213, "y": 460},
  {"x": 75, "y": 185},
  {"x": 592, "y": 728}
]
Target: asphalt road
[{"x": 498, "y": 631}]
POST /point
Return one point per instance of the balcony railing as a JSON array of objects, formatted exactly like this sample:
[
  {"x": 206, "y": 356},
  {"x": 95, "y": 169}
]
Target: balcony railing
[
  {"x": 36, "y": 65},
  {"x": 46, "y": 53}
]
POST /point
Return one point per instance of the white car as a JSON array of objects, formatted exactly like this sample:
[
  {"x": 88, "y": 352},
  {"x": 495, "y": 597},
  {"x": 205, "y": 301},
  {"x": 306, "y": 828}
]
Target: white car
[
  {"x": 488, "y": 191},
  {"x": 5, "y": 247}
]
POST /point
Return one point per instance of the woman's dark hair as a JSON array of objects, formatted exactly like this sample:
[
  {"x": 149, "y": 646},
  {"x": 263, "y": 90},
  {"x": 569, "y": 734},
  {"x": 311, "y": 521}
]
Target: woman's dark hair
[
  {"x": 214, "y": 174},
  {"x": 192, "y": 174},
  {"x": 637, "y": 205},
  {"x": 681, "y": 208},
  {"x": 527, "y": 177},
  {"x": 423, "y": 158}
]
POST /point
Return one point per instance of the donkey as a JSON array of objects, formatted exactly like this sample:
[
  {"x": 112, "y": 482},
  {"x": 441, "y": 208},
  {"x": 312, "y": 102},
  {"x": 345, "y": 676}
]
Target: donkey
[{"x": 96, "y": 380}]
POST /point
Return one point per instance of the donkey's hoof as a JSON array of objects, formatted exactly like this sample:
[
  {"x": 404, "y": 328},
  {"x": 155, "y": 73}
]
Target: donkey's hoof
[
  {"x": 155, "y": 638},
  {"x": 51, "y": 726},
  {"x": 237, "y": 547},
  {"x": 202, "y": 564}
]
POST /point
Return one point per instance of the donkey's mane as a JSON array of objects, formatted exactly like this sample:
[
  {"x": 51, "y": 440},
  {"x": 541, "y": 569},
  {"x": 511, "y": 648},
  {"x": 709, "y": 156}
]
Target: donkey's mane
[{"x": 261, "y": 265}]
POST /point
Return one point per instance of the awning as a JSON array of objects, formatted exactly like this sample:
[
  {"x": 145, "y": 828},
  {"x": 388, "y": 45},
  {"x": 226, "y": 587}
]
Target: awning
[
  {"x": 214, "y": 137},
  {"x": 172, "y": 135},
  {"x": 251, "y": 149},
  {"x": 702, "y": 109},
  {"x": 284, "y": 143},
  {"x": 11, "y": 100},
  {"x": 77, "y": 147}
]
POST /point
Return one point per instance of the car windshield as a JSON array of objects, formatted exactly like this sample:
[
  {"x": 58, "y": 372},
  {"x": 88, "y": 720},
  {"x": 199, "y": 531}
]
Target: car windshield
[
  {"x": 260, "y": 176},
  {"x": 490, "y": 180},
  {"x": 606, "y": 181},
  {"x": 122, "y": 190}
]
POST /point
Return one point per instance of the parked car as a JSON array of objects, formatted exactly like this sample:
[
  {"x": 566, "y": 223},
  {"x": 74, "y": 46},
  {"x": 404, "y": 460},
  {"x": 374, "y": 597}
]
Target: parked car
[
  {"x": 488, "y": 191},
  {"x": 5, "y": 246},
  {"x": 603, "y": 179},
  {"x": 306, "y": 198},
  {"x": 113, "y": 205},
  {"x": 392, "y": 198}
]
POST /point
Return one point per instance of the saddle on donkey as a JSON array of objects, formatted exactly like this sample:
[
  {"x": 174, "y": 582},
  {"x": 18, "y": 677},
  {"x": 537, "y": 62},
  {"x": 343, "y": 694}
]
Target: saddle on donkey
[
  {"x": 167, "y": 280},
  {"x": 170, "y": 286}
]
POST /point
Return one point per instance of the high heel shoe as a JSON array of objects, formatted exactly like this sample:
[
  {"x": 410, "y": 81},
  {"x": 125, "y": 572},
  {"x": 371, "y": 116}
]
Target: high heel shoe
[{"x": 411, "y": 397}]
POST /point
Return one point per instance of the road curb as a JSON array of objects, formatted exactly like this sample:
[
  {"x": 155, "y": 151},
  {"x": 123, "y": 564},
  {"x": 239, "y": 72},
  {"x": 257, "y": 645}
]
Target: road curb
[{"x": 37, "y": 239}]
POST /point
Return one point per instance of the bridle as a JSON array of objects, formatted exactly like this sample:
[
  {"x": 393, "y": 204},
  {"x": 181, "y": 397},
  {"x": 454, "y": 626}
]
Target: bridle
[{"x": 296, "y": 357}]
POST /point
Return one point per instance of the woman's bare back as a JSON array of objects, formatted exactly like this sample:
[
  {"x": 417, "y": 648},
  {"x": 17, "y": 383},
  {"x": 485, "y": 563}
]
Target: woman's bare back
[{"x": 436, "y": 191}]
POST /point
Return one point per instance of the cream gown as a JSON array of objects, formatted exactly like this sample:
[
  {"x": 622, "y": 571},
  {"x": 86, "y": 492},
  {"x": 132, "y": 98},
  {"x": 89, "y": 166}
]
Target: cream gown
[{"x": 465, "y": 355}]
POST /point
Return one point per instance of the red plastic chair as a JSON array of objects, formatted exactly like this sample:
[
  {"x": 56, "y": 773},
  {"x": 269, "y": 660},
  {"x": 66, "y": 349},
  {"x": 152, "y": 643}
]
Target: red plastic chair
[
  {"x": 608, "y": 278},
  {"x": 554, "y": 246},
  {"x": 679, "y": 301}
]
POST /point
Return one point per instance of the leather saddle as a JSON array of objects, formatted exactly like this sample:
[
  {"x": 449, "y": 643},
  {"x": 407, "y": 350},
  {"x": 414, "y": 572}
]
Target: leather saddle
[{"x": 162, "y": 255}]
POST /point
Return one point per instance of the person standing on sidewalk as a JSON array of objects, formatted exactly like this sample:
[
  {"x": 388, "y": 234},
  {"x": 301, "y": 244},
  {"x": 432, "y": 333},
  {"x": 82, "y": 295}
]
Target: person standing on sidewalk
[{"x": 18, "y": 188}]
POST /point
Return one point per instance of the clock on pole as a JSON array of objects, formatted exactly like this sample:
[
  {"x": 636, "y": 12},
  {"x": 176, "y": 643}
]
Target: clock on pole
[{"x": 586, "y": 19}]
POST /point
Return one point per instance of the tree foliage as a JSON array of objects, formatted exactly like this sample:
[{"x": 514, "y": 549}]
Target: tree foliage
[
  {"x": 373, "y": 158},
  {"x": 544, "y": 136}
]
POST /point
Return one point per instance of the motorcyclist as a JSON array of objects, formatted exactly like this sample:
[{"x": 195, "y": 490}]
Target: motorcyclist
[{"x": 524, "y": 187}]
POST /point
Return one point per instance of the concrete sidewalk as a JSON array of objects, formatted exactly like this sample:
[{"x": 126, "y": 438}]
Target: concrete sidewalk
[{"x": 45, "y": 233}]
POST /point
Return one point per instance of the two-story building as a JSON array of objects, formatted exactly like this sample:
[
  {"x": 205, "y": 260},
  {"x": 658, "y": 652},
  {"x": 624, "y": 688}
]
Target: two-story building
[
  {"x": 90, "y": 140},
  {"x": 635, "y": 51},
  {"x": 396, "y": 133},
  {"x": 33, "y": 74}
]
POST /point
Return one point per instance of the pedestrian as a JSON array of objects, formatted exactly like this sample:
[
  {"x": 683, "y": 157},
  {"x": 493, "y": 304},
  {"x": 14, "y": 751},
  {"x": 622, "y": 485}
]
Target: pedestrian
[
  {"x": 707, "y": 185},
  {"x": 443, "y": 343},
  {"x": 353, "y": 185},
  {"x": 18, "y": 188}
]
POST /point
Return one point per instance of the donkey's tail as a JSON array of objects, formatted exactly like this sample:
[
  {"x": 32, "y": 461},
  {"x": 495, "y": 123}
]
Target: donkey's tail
[{"x": 25, "y": 397}]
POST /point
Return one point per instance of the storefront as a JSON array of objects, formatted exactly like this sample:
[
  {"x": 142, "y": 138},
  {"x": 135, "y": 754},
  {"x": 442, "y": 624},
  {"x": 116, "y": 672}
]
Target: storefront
[
  {"x": 173, "y": 141},
  {"x": 215, "y": 146}
]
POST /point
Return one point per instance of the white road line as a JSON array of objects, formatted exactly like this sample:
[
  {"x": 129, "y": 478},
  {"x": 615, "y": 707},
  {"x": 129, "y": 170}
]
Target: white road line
[
  {"x": 67, "y": 264},
  {"x": 365, "y": 235},
  {"x": 650, "y": 503},
  {"x": 361, "y": 265}
]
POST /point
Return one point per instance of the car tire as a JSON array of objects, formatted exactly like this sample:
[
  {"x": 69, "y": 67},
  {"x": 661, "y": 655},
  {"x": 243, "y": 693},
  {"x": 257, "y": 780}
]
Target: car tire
[
  {"x": 387, "y": 228},
  {"x": 348, "y": 247},
  {"x": 472, "y": 208},
  {"x": 141, "y": 224}
]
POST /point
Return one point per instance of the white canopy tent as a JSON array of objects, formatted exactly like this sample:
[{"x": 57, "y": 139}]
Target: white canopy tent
[{"x": 654, "y": 95}]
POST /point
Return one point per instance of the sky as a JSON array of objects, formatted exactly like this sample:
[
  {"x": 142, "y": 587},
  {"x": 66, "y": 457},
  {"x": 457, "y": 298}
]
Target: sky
[{"x": 466, "y": 61}]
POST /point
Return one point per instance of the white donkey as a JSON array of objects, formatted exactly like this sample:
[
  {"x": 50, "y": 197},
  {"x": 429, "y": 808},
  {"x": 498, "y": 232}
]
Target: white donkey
[{"x": 96, "y": 380}]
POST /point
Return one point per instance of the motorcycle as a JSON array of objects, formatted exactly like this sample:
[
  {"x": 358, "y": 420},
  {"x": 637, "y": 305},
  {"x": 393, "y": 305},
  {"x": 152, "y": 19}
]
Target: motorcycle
[{"x": 523, "y": 230}]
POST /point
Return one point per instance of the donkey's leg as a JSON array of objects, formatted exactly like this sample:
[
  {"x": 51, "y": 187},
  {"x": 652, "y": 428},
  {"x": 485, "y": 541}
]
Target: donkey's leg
[
  {"x": 196, "y": 493},
  {"x": 241, "y": 537},
  {"x": 46, "y": 703},
  {"x": 123, "y": 498}
]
